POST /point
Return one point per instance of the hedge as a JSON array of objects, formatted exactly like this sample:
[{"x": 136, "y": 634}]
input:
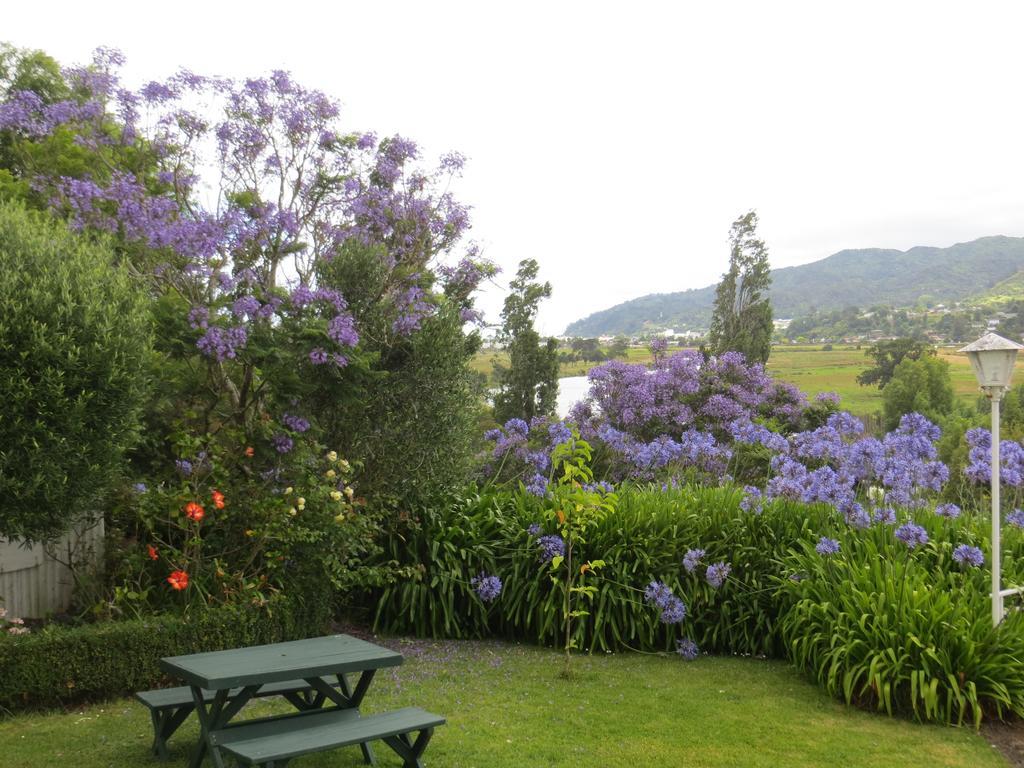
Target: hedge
[{"x": 61, "y": 667}]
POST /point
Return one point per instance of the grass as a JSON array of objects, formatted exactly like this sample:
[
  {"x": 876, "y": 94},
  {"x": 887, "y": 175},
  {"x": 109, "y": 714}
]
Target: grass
[
  {"x": 506, "y": 706},
  {"x": 809, "y": 367}
]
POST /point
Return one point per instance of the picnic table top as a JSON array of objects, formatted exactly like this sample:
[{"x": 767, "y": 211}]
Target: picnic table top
[{"x": 258, "y": 664}]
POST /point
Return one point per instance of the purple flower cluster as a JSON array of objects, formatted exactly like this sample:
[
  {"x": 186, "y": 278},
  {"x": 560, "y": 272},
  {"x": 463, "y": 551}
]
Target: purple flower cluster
[
  {"x": 295, "y": 423},
  {"x": 487, "y": 587},
  {"x": 979, "y": 459},
  {"x": 1016, "y": 518},
  {"x": 523, "y": 451},
  {"x": 660, "y": 595},
  {"x": 965, "y": 554},
  {"x": 833, "y": 463},
  {"x": 687, "y": 648},
  {"x": 550, "y": 546},
  {"x": 827, "y": 547},
  {"x": 952, "y": 511},
  {"x": 717, "y": 573},
  {"x": 912, "y": 534},
  {"x": 753, "y": 500},
  {"x": 692, "y": 559},
  {"x": 282, "y": 443},
  {"x": 222, "y": 343}
]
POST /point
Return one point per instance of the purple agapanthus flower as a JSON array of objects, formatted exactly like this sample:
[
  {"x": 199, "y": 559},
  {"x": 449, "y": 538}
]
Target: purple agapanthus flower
[
  {"x": 1016, "y": 518},
  {"x": 827, "y": 547},
  {"x": 550, "y": 547},
  {"x": 951, "y": 511},
  {"x": 282, "y": 443},
  {"x": 487, "y": 587},
  {"x": 533, "y": 529},
  {"x": 912, "y": 534},
  {"x": 692, "y": 559},
  {"x": 687, "y": 648},
  {"x": 968, "y": 555},
  {"x": 660, "y": 595},
  {"x": 717, "y": 573},
  {"x": 184, "y": 467}
]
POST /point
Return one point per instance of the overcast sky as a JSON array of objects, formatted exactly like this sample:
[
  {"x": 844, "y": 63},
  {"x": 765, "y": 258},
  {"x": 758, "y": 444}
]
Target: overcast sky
[{"x": 615, "y": 143}]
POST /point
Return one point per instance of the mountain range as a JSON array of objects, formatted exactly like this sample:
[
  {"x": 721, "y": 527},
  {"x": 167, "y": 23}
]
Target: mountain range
[{"x": 862, "y": 277}]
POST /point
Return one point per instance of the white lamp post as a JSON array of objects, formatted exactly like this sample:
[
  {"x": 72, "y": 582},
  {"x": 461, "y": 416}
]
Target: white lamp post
[{"x": 992, "y": 358}]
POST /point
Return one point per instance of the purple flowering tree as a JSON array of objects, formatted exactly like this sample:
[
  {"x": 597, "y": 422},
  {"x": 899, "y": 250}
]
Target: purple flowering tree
[
  {"x": 286, "y": 250},
  {"x": 687, "y": 412}
]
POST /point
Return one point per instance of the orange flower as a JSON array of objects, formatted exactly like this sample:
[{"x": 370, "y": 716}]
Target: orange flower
[
  {"x": 178, "y": 580},
  {"x": 194, "y": 512},
  {"x": 250, "y": 451},
  {"x": 218, "y": 499},
  {"x": 152, "y": 552}
]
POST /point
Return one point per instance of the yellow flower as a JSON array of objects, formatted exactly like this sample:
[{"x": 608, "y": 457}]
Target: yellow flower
[
  {"x": 332, "y": 456},
  {"x": 249, "y": 532},
  {"x": 331, "y": 473},
  {"x": 336, "y": 495},
  {"x": 288, "y": 490},
  {"x": 345, "y": 466},
  {"x": 292, "y": 512},
  {"x": 349, "y": 491},
  {"x": 339, "y": 518},
  {"x": 301, "y": 502}
]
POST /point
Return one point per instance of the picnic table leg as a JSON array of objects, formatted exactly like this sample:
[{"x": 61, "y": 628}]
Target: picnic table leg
[
  {"x": 356, "y": 698},
  {"x": 165, "y": 723},
  {"x": 217, "y": 716}
]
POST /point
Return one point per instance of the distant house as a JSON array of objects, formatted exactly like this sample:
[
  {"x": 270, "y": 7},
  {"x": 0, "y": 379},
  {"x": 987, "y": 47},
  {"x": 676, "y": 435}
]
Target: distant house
[{"x": 782, "y": 323}]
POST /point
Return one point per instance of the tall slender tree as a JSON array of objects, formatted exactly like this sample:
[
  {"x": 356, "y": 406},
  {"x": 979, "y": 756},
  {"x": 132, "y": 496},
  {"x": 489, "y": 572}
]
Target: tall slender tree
[
  {"x": 742, "y": 317},
  {"x": 528, "y": 387}
]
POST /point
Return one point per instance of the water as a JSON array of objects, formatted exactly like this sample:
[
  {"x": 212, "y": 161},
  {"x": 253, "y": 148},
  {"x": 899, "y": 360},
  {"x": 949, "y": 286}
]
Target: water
[{"x": 571, "y": 390}]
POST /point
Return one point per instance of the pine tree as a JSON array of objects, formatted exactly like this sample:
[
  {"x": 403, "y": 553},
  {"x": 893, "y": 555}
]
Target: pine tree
[
  {"x": 528, "y": 387},
  {"x": 742, "y": 317}
]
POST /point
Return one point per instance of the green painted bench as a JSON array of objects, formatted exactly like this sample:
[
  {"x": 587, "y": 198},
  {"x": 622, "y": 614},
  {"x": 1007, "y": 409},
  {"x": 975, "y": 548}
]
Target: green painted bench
[
  {"x": 274, "y": 741},
  {"x": 170, "y": 707}
]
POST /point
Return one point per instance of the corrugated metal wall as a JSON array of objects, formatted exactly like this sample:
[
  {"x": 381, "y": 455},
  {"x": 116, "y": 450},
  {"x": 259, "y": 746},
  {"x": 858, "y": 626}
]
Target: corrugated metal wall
[{"x": 35, "y": 581}]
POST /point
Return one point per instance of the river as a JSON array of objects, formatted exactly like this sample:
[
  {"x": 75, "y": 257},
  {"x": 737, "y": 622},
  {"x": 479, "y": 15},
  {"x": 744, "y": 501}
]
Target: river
[{"x": 571, "y": 390}]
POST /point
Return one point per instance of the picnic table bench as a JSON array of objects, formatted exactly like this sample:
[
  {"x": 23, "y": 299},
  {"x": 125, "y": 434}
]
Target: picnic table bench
[{"x": 312, "y": 675}]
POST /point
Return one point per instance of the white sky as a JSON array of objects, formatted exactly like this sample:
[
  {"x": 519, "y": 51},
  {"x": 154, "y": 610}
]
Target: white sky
[{"x": 616, "y": 142}]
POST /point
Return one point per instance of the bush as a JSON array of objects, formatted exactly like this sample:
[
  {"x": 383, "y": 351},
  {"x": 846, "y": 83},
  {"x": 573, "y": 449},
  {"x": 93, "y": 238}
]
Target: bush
[
  {"x": 73, "y": 342},
  {"x": 910, "y": 633},
  {"x": 59, "y": 667},
  {"x": 643, "y": 540},
  {"x": 907, "y": 633}
]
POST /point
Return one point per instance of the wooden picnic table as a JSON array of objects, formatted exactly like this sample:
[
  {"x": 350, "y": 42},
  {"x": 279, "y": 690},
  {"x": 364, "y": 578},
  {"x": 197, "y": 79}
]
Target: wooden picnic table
[{"x": 247, "y": 670}]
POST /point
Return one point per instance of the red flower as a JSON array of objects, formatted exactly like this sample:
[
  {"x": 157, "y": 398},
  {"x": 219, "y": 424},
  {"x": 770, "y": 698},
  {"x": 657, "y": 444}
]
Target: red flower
[
  {"x": 250, "y": 451},
  {"x": 218, "y": 499},
  {"x": 194, "y": 512},
  {"x": 152, "y": 552},
  {"x": 178, "y": 580}
]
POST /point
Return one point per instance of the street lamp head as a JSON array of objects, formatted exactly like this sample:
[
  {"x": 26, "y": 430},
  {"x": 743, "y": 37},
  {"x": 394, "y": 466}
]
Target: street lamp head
[{"x": 992, "y": 358}]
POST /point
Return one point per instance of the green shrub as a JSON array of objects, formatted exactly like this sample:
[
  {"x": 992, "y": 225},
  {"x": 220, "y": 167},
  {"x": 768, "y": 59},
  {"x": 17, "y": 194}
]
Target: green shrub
[
  {"x": 61, "y": 666},
  {"x": 643, "y": 540},
  {"x": 907, "y": 632},
  {"x": 73, "y": 340}
]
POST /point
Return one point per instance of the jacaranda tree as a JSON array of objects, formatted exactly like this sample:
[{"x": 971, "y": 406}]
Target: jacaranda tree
[{"x": 287, "y": 256}]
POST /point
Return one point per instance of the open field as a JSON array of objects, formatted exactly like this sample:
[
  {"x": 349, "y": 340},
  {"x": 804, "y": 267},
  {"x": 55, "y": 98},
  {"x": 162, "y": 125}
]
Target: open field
[
  {"x": 506, "y": 707},
  {"x": 811, "y": 368}
]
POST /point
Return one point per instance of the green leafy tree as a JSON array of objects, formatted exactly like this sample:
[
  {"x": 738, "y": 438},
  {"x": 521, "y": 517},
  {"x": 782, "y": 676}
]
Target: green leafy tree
[
  {"x": 888, "y": 355},
  {"x": 528, "y": 386},
  {"x": 74, "y": 342},
  {"x": 918, "y": 386},
  {"x": 741, "y": 319}
]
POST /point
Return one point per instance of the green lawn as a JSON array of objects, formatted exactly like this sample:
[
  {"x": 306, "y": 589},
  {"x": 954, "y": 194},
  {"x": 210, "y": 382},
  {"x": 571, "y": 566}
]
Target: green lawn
[{"x": 506, "y": 706}]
